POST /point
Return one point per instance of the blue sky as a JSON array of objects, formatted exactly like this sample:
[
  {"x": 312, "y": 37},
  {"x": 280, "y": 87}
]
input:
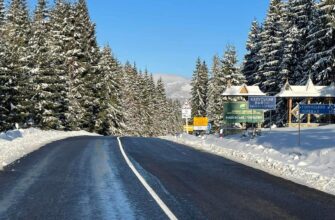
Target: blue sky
[{"x": 166, "y": 36}]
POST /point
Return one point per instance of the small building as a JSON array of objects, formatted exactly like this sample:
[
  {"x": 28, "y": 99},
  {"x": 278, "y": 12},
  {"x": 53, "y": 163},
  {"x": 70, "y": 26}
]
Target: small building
[
  {"x": 242, "y": 91},
  {"x": 305, "y": 94}
]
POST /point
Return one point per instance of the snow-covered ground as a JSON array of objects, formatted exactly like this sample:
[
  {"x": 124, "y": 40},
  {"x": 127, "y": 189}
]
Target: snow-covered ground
[
  {"x": 18, "y": 143},
  {"x": 311, "y": 164}
]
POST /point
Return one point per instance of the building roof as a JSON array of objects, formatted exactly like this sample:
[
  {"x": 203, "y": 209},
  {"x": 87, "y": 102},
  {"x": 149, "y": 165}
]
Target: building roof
[
  {"x": 243, "y": 90},
  {"x": 307, "y": 91}
]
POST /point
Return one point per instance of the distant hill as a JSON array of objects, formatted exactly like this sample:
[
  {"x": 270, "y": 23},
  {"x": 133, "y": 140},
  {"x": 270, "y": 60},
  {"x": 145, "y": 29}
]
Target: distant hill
[{"x": 177, "y": 87}]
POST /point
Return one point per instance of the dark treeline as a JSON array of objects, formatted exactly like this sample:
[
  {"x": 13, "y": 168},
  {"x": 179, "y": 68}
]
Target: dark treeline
[
  {"x": 53, "y": 75},
  {"x": 296, "y": 40}
]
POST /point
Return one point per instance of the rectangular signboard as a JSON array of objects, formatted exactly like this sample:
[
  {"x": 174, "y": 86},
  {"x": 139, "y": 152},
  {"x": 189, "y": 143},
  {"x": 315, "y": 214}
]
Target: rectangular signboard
[
  {"x": 200, "y": 123},
  {"x": 238, "y": 112},
  {"x": 320, "y": 109},
  {"x": 262, "y": 102},
  {"x": 186, "y": 113}
]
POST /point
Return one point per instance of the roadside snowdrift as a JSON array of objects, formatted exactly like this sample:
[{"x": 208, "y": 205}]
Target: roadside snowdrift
[
  {"x": 312, "y": 164},
  {"x": 18, "y": 143}
]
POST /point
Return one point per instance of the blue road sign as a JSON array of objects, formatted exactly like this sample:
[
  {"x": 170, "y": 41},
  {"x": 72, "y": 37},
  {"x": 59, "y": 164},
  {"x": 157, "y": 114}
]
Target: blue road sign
[
  {"x": 317, "y": 109},
  {"x": 262, "y": 102}
]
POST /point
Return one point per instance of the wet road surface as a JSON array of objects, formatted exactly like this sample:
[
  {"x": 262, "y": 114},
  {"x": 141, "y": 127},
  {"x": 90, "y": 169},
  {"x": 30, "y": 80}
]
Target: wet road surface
[{"x": 88, "y": 178}]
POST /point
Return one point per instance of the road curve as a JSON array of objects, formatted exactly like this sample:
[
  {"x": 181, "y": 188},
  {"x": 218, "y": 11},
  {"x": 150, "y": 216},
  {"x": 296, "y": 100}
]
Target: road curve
[{"x": 88, "y": 178}]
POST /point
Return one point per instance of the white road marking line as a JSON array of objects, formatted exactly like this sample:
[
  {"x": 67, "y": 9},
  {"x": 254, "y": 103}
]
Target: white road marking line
[{"x": 154, "y": 195}]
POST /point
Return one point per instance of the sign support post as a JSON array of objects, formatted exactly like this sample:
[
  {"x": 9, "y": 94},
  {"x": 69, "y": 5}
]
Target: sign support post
[
  {"x": 253, "y": 127},
  {"x": 270, "y": 120},
  {"x": 186, "y": 114},
  {"x": 186, "y": 125},
  {"x": 299, "y": 142}
]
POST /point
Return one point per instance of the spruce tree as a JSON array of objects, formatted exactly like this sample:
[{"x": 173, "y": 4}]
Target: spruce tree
[
  {"x": 87, "y": 58},
  {"x": 199, "y": 89},
  {"x": 252, "y": 60},
  {"x": 271, "y": 49},
  {"x": 230, "y": 70},
  {"x": 154, "y": 107},
  {"x": 59, "y": 42},
  {"x": 175, "y": 119},
  {"x": 16, "y": 34},
  {"x": 321, "y": 40},
  {"x": 130, "y": 99},
  {"x": 6, "y": 88},
  {"x": 150, "y": 108},
  {"x": 216, "y": 87},
  {"x": 162, "y": 121},
  {"x": 2, "y": 13},
  {"x": 45, "y": 83},
  {"x": 296, "y": 19},
  {"x": 110, "y": 119}
]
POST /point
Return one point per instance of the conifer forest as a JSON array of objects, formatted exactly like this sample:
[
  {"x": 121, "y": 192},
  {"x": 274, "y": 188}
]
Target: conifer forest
[
  {"x": 294, "y": 42},
  {"x": 53, "y": 75}
]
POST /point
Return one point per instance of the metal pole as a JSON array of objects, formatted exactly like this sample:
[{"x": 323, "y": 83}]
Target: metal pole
[
  {"x": 187, "y": 125},
  {"x": 270, "y": 119},
  {"x": 299, "y": 127},
  {"x": 253, "y": 128},
  {"x": 329, "y": 116}
]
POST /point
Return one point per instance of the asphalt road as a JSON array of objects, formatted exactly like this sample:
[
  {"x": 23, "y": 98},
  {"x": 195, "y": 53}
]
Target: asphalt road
[{"x": 88, "y": 178}]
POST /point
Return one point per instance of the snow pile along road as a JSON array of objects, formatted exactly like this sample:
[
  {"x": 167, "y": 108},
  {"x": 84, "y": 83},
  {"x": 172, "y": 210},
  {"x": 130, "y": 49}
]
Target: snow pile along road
[
  {"x": 277, "y": 152},
  {"x": 18, "y": 143}
]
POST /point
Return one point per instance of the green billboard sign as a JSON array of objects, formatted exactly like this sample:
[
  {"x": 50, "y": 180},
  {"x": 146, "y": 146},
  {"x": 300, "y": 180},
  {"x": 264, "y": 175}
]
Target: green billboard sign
[{"x": 239, "y": 112}]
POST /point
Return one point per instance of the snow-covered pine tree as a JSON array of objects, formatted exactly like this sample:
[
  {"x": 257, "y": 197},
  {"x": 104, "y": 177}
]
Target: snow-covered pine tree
[
  {"x": 142, "y": 109},
  {"x": 86, "y": 53},
  {"x": 320, "y": 58},
  {"x": 313, "y": 45},
  {"x": 59, "y": 41},
  {"x": 212, "y": 87},
  {"x": 271, "y": 49},
  {"x": 6, "y": 88},
  {"x": 178, "y": 122},
  {"x": 162, "y": 117},
  {"x": 16, "y": 34},
  {"x": 150, "y": 110},
  {"x": 230, "y": 71},
  {"x": 251, "y": 59},
  {"x": 154, "y": 107},
  {"x": 142, "y": 102},
  {"x": 175, "y": 122},
  {"x": 199, "y": 89},
  {"x": 2, "y": 13},
  {"x": 71, "y": 59},
  {"x": 110, "y": 119},
  {"x": 216, "y": 87},
  {"x": 77, "y": 65},
  {"x": 296, "y": 19},
  {"x": 45, "y": 83},
  {"x": 130, "y": 99}
]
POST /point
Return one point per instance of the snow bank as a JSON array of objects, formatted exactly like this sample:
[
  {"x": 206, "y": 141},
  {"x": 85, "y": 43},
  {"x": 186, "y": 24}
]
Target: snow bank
[
  {"x": 277, "y": 152},
  {"x": 18, "y": 143}
]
